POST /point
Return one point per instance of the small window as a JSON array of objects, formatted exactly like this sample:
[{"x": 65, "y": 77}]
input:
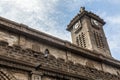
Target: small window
[
  {"x": 80, "y": 40},
  {"x": 46, "y": 53}
]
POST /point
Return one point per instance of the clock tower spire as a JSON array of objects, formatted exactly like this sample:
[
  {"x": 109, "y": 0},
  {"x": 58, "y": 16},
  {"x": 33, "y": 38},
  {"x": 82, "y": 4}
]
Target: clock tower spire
[{"x": 87, "y": 32}]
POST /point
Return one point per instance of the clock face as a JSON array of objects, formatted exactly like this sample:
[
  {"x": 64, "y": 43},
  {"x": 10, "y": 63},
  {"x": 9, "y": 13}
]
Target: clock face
[
  {"x": 77, "y": 26},
  {"x": 95, "y": 23}
]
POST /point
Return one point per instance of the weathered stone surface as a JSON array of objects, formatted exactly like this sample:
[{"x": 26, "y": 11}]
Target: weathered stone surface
[{"x": 58, "y": 65}]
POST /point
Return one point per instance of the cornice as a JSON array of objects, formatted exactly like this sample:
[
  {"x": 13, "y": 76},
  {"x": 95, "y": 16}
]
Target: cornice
[{"x": 80, "y": 15}]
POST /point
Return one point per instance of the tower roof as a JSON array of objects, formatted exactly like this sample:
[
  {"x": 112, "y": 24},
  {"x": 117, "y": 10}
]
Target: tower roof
[{"x": 82, "y": 13}]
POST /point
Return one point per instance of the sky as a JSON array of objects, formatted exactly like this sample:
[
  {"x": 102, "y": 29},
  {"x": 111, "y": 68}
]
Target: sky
[{"x": 53, "y": 16}]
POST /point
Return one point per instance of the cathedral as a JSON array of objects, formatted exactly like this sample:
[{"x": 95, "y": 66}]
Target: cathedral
[{"x": 28, "y": 54}]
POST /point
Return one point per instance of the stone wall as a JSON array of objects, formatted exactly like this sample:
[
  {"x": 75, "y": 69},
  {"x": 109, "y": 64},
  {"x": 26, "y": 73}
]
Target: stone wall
[
  {"x": 9, "y": 37},
  {"x": 51, "y": 66}
]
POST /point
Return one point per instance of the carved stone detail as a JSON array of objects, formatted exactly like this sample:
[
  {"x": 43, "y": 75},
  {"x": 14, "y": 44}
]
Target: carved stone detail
[{"x": 58, "y": 66}]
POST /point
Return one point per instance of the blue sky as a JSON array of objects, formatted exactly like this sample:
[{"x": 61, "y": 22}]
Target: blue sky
[{"x": 52, "y": 16}]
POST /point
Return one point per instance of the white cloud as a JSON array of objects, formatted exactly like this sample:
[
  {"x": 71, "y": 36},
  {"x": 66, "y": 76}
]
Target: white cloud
[
  {"x": 34, "y": 13},
  {"x": 39, "y": 14},
  {"x": 39, "y": 8},
  {"x": 114, "y": 2},
  {"x": 113, "y": 19}
]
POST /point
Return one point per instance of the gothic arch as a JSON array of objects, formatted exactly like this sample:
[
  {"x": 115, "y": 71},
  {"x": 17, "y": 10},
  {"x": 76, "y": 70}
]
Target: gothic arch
[{"x": 6, "y": 76}]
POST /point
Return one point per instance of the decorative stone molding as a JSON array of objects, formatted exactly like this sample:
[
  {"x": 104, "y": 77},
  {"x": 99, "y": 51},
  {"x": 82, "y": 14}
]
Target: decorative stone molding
[
  {"x": 85, "y": 13},
  {"x": 28, "y": 59}
]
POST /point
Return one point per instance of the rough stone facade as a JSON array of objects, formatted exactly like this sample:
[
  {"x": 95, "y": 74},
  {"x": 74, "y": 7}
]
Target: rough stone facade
[{"x": 22, "y": 57}]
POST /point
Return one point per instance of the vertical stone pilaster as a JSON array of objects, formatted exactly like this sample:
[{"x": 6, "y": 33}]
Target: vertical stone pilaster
[
  {"x": 35, "y": 75},
  {"x": 22, "y": 40}
]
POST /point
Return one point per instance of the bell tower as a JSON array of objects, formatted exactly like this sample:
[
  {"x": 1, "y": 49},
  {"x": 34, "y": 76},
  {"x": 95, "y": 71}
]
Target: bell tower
[{"x": 87, "y": 32}]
